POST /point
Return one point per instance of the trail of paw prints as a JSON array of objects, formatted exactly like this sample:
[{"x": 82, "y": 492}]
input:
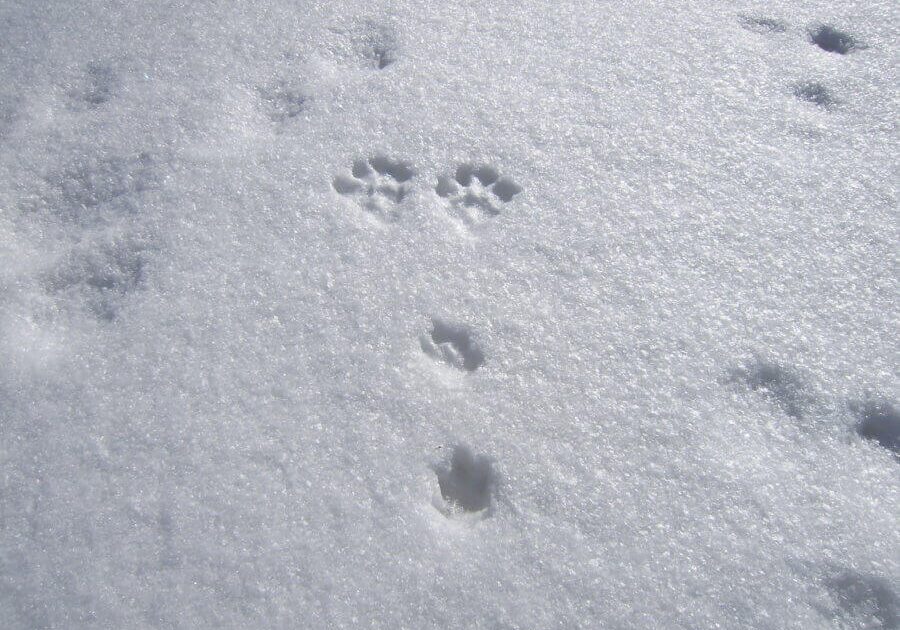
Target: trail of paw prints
[
  {"x": 379, "y": 184},
  {"x": 452, "y": 344},
  {"x": 476, "y": 192}
]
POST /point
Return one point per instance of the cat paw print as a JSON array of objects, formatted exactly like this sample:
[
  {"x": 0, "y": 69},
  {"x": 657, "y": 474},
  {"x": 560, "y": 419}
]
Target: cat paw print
[
  {"x": 476, "y": 192},
  {"x": 379, "y": 184}
]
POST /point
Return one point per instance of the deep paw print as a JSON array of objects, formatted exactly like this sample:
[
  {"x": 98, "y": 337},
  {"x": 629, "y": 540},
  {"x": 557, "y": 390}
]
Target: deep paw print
[
  {"x": 467, "y": 483},
  {"x": 454, "y": 345},
  {"x": 379, "y": 183},
  {"x": 476, "y": 192}
]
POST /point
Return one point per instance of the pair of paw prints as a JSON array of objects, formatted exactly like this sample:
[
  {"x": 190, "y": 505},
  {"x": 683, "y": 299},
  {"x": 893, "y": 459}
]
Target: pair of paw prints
[
  {"x": 380, "y": 184},
  {"x": 876, "y": 419},
  {"x": 826, "y": 37}
]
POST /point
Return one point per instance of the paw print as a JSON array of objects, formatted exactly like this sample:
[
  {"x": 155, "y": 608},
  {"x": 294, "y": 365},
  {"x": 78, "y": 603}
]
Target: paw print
[
  {"x": 476, "y": 192},
  {"x": 379, "y": 183},
  {"x": 452, "y": 344}
]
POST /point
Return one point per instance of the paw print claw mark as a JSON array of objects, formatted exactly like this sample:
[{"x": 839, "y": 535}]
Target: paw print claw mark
[
  {"x": 476, "y": 191},
  {"x": 379, "y": 182}
]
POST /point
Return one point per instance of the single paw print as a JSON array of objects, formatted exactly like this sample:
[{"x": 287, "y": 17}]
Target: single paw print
[
  {"x": 379, "y": 183},
  {"x": 453, "y": 344},
  {"x": 476, "y": 192}
]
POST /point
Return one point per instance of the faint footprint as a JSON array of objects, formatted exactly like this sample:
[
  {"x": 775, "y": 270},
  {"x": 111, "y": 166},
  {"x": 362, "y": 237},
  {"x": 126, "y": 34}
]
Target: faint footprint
[
  {"x": 366, "y": 43},
  {"x": 283, "y": 100},
  {"x": 476, "y": 192},
  {"x": 760, "y": 24},
  {"x": 830, "y": 39},
  {"x": 452, "y": 344},
  {"x": 379, "y": 183},
  {"x": 466, "y": 484},
  {"x": 775, "y": 382},
  {"x": 97, "y": 86},
  {"x": 101, "y": 274},
  {"x": 91, "y": 185},
  {"x": 814, "y": 92}
]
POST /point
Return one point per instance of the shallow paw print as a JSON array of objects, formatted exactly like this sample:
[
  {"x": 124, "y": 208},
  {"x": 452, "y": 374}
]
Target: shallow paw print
[
  {"x": 98, "y": 86},
  {"x": 815, "y": 93},
  {"x": 379, "y": 183},
  {"x": 92, "y": 186},
  {"x": 283, "y": 100},
  {"x": 775, "y": 382},
  {"x": 101, "y": 274},
  {"x": 367, "y": 44},
  {"x": 476, "y": 192},
  {"x": 763, "y": 24},
  {"x": 452, "y": 344}
]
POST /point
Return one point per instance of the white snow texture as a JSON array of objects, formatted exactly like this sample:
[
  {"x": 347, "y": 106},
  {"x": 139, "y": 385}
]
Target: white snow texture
[{"x": 520, "y": 314}]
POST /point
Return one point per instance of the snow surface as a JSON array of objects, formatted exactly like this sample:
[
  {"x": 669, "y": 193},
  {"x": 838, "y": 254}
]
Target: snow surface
[{"x": 401, "y": 314}]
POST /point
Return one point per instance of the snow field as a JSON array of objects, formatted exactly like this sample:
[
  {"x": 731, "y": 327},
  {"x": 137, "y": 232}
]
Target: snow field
[{"x": 395, "y": 314}]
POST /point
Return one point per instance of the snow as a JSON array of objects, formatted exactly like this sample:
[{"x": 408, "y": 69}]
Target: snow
[{"x": 412, "y": 315}]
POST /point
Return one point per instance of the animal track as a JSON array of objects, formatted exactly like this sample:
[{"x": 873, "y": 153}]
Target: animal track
[
  {"x": 86, "y": 187},
  {"x": 880, "y": 421},
  {"x": 813, "y": 92},
  {"x": 830, "y": 39},
  {"x": 101, "y": 274},
  {"x": 367, "y": 43},
  {"x": 98, "y": 85},
  {"x": 476, "y": 192},
  {"x": 379, "y": 183},
  {"x": 777, "y": 384},
  {"x": 454, "y": 345},
  {"x": 759, "y": 24},
  {"x": 466, "y": 483},
  {"x": 283, "y": 100}
]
